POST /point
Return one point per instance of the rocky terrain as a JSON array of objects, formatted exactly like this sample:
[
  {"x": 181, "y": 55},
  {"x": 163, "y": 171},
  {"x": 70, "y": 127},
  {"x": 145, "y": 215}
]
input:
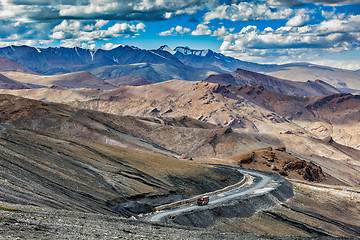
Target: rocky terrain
[
  {"x": 243, "y": 77},
  {"x": 258, "y": 118},
  {"x": 345, "y": 80},
  {"x": 332, "y": 115},
  {"x": 30, "y": 222},
  {"x": 278, "y": 160},
  {"x": 44, "y": 169},
  {"x": 316, "y": 210},
  {"x": 99, "y": 142}
]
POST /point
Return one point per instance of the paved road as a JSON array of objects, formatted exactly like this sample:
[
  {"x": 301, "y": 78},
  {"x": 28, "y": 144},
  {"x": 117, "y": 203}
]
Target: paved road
[{"x": 261, "y": 183}]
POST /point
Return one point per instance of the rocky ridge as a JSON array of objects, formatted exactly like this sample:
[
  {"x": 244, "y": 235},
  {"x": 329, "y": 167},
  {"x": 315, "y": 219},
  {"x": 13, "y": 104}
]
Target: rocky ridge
[{"x": 278, "y": 160}]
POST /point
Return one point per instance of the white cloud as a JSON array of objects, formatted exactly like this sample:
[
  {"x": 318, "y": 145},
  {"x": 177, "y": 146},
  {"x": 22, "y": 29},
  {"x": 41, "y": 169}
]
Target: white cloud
[
  {"x": 350, "y": 64},
  {"x": 141, "y": 10},
  {"x": 201, "y": 29},
  {"x": 291, "y": 43},
  {"x": 71, "y": 44},
  {"x": 167, "y": 33},
  {"x": 220, "y": 32},
  {"x": 90, "y": 31},
  {"x": 246, "y": 11},
  {"x": 175, "y": 31},
  {"x": 268, "y": 29},
  {"x": 181, "y": 30},
  {"x": 101, "y": 23},
  {"x": 58, "y": 35},
  {"x": 300, "y": 19},
  {"x": 29, "y": 42}
]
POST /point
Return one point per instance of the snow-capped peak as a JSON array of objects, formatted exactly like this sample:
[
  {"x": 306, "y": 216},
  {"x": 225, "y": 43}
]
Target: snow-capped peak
[
  {"x": 167, "y": 49},
  {"x": 188, "y": 51}
]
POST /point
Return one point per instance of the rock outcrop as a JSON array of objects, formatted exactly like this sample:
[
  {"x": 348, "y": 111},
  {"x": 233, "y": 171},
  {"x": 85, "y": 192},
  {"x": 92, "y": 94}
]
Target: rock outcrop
[{"x": 278, "y": 160}]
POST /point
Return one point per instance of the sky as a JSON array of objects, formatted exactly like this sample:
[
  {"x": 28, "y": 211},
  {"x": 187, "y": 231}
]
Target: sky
[{"x": 325, "y": 32}]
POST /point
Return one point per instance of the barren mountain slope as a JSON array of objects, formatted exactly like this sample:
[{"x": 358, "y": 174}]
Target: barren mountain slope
[
  {"x": 254, "y": 125},
  {"x": 64, "y": 60},
  {"x": 339, "y": 78},
  {"x": 70, "y": 172},
  {"x": 7, "y": 83},
  {"x": 151, "y": 72},
  {"x": 55, "y": 94},
  {"x": 204, "y": 101},
  {"x": 10, "y": 65},
  {"x": 129, "y": 80},
  {"x": 315, "y": 210},
  {"x": 335, "y": 115},
  {"x": 123, "y": 61},
  {"x": 244, "y": 77},
  {"x": 70, "y": 80},
  {"x": 77, "y": 174},
  {"x": 181, "y": 136},
  {"x": 226, "y": 106}
]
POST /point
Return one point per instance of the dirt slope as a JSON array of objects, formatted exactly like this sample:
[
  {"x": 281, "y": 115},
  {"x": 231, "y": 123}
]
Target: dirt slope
[
  {"x": 10, "y": 65},
  {"x": 7, "y": 83},
  {"x": 73, "y": 173},
  {"x": 244, "y": 77},
  {"x": 181, "y": 136},
  {"x": 335, "y": 115},
  {"x": 340, "y": 78},
  {"x": 246, "y": 110},
  {"x": 70, "y": 80}
]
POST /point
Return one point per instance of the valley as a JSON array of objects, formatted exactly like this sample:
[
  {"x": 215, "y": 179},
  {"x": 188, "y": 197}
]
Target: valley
[{"x": 107, "y": 136}]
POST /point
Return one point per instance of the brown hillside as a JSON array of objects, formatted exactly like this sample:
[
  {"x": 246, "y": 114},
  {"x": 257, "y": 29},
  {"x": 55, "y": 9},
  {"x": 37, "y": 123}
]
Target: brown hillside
[
  {"x": 69, "y": 80},
  {"x": 128, "y": 81},
  {"x": 335, "y": 115},
  {"x": 10, "y": 65},
  {"x": 180, "y": 136},
  {"x": 62, "y": 172},
  {"x": 244, "y": 77},
  {"x": 254, "y": 124},
  {"x": 7, "y": 83}
]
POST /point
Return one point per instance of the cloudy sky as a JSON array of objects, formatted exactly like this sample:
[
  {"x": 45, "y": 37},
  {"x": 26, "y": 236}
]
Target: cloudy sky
[{"x": 275, "y": 31}]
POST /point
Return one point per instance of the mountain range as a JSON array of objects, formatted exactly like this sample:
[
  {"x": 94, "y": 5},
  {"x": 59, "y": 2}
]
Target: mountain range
[
  {"x": 127, "y": 65},
  {"x": 250, "y": 117}
]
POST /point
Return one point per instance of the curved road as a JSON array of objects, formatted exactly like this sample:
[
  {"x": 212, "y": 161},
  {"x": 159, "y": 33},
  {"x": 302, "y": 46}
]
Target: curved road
[{"x": 262, "y": 183}]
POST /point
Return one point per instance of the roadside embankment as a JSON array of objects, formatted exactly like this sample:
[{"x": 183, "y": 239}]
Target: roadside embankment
[
  {"x": 278, "y": 190},
  {"x": 193, "y": 199}
]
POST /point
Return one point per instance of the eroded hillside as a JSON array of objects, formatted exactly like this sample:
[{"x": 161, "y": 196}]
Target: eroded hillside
[
  {"x": 62, "y": 172},
  {"x": 258, "y": 118}
]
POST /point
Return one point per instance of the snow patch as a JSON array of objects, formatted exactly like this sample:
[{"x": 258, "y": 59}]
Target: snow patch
[
  {"x": 158, "y": 55},
  {"x": 76, "y": 50},
  {"x": 188, "y": 51},
  {"x": 115, "y": 60},
  {"x": 92, "y": 53}
]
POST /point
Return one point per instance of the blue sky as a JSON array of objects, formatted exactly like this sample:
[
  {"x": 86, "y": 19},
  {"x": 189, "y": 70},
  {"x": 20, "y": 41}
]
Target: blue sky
[{"x": 277, "y": 31}]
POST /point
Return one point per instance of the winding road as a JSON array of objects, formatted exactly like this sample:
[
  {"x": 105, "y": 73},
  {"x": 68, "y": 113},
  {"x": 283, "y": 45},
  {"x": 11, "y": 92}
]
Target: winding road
[{"x": 261, "y": 183}]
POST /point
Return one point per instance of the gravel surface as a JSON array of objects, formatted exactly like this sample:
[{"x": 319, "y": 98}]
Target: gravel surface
[{"x": 37, "y": 223}]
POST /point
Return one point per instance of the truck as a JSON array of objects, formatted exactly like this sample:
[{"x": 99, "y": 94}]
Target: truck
[{"x": 203, "y": 201}]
